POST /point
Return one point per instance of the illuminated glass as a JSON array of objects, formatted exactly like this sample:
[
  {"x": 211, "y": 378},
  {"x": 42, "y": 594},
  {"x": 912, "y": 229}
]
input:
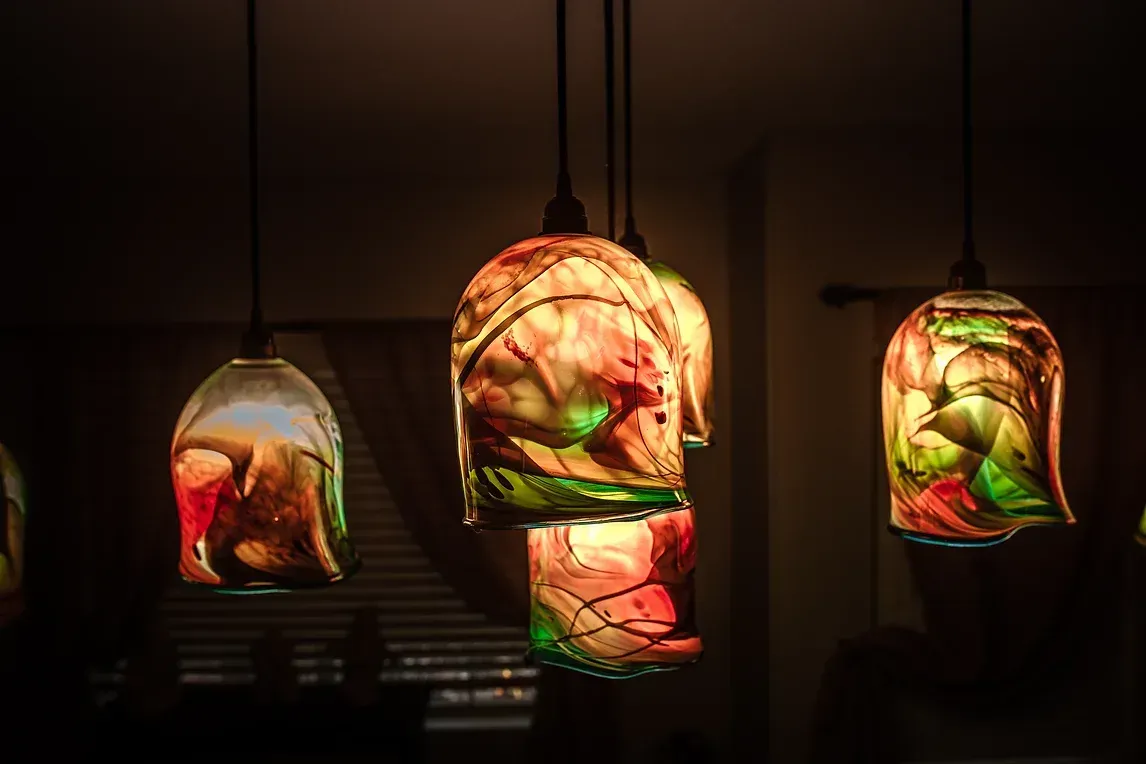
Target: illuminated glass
[
  {"x": 1141, "y": 535},
  {"x": 256, "y": 463},
  {"x": 696, "y": 356},
  {"x": 15, "y": 508},
  {"x": 615, "y": 599},
  {"x": 972, "y": 413},
  {"x": 566, "y": 372}
]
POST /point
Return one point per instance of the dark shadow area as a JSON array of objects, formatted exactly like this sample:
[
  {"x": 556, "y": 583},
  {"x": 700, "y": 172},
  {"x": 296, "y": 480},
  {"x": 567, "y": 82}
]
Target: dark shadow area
[{"x": 157, "y": 718}]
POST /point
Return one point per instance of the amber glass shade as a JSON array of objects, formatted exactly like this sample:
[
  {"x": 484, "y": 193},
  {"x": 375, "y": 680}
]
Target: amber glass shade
[
  {"x": 15, "y": 515},
  {"x": 697, "y": 400},
  {"x": 256, "y": 463},
  {"x": 615, "y": 599},
  {"x": 1140, "y": 536},
  {"x": 972, "y": 412},
  {"x": 566, "y": 374}
]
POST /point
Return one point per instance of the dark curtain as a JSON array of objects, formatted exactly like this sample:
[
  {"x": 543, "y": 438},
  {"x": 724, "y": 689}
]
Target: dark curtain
[
  {"x": 89, "y": 412},
  {"x": 397, "y": 379},
  {"x": 1025, "y": 650}
]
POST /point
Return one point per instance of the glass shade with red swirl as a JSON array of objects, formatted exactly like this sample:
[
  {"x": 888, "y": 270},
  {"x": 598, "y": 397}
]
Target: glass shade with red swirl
[
  {"x": 615, "y": 599},
  {"x": 566, "y": 366},
  {"x": 972, "y": 416},
  {"x": 257, "y": 468}
]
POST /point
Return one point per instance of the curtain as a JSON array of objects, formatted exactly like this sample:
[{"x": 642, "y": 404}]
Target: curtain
[
  {"x": 88, "y": 412},
  {"x": 1024, "y": 649},
  {"x": 396, "y": 378}
]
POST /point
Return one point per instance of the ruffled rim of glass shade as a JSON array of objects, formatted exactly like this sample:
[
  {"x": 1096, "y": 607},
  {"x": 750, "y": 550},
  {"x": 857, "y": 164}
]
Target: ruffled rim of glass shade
[
  {"x": 927, "y": 538},
  {"x": 345, "y": 574},
  {"x": 564, "y": 519},
  {"x": 552, "y": 656}
]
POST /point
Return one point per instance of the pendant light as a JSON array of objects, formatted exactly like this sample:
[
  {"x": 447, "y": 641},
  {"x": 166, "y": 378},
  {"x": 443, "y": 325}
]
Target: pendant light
[
  {"x": 256, "y": 458},
  {"x": 565, "y": 362},
  {"x": 13, "y": 520},
  {"x": 615, "y": 599},
  {"x": 698, "y": 405},
  {"x": 1140, "y": 536},
  {"x": 972, "y": 403}
]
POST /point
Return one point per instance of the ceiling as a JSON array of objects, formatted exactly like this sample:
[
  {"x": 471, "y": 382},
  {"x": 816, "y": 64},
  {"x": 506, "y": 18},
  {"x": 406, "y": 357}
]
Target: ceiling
[{"x": 453, "y": 87}]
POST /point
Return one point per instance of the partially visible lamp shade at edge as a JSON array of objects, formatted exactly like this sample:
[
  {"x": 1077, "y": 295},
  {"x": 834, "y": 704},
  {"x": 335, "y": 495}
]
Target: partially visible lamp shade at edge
[
  {"x": 1140, "y": 536},
  {"x": 972, "y": 413},
  {"x": 566, "y": 367},
  {"x": 15, "y": 515},
  {"x": 697, "y": 393},
  {"x": 615, "y": 600},
  {"x": 257, "y": 469}
]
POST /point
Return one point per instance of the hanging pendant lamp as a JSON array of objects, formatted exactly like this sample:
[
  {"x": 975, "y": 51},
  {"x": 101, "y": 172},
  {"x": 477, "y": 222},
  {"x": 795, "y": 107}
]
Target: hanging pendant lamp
[
  {"x": 256, "y": 458},
  {"x": 1140, "y": 536},
  {"x": 972, "y": 403},
  {"x": 566, "y": 375},
  {"x": 14, "y": 516},
  {"x": 615, "y": 599},
  {"x": 697, "y": 394}
]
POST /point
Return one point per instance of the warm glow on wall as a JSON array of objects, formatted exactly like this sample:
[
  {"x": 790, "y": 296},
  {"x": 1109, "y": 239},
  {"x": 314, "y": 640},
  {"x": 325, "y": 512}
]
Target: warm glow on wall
[
  {"x": 15, "y": 515},
  {"x": 972, "y": 407},
  {"x": 615, "y": 599},
  {"x": 256, "y": 463},
  {"x": 567, "y": 398},
  {"x": 696, "y": 356}
]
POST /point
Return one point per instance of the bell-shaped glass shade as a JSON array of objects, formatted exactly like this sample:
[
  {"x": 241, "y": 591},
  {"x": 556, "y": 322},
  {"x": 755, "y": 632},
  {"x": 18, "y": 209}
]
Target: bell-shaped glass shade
[
  {"x": 566, "y": 376},
  {"x": 696, "y": 389},
  {"x": 15, "y": 515},
  {"x": 615, "y": 599},
  {"x": 1140, "y": 536},
  {"x": 972, "y": 413},
  {"x": 256, "y": 463}
]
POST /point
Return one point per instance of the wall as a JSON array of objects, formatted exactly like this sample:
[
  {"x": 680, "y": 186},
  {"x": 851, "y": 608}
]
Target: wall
[
  {"x": 883, "y": 209},
  {"x": 111, "y": 249}
]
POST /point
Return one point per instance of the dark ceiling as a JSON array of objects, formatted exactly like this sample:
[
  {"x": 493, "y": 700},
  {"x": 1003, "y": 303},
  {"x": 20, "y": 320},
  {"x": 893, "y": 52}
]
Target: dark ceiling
[{"x": 355, "y": 87}]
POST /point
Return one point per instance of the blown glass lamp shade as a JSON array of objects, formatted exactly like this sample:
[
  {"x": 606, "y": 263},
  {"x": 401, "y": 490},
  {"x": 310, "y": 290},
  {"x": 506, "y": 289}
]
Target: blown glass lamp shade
[
  {"x": 15, "y": 512},
  {"x": 257, "y": 467},
  {"x": 567, "y": 387},
  {"x": 615, "y": 599},
  {"x": 697, "y": 404},
  {"x": 1140, "y": 536},
  {"x": 972, "y": 412}
]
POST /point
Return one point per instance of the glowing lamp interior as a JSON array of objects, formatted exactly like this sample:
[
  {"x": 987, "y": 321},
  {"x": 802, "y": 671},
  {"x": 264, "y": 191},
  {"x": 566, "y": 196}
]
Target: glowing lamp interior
[
  {"x": 972, "y": 413},
  {"x": 256, "y": 464},
  {"x": 615, "y": 599},
  {"x": 567, "y": 387},
  {"x": 15, "y": 515},
  {"x": 697, "y": 399}
]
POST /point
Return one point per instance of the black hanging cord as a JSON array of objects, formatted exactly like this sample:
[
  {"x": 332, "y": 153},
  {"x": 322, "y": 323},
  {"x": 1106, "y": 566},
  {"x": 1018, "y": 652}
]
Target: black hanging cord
[
  {"x": 610, "y": 123},
  {"x": 564, "y": 213},
  {"x": 630, "y": 239},
  {"x": 564, "y": 181},
  {"x": 969, "y": 273},
  {"x": 257, "y": 342},
  {"x": 968, "y": 164}
]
